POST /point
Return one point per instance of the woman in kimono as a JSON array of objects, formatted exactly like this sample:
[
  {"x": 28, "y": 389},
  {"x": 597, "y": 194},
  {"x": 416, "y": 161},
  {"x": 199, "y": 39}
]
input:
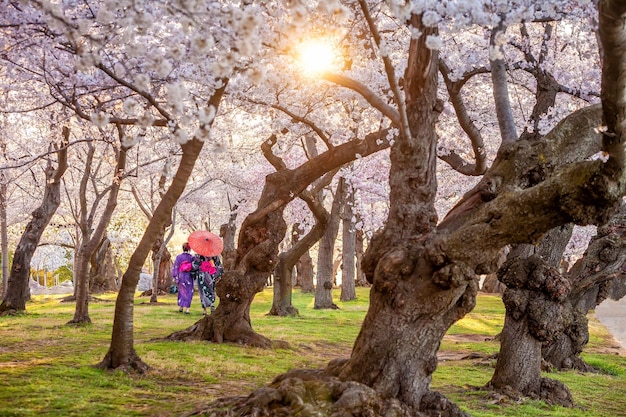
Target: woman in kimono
[
  {"x": 182, "y": 274},
  {"x": 209, "y": 270}
]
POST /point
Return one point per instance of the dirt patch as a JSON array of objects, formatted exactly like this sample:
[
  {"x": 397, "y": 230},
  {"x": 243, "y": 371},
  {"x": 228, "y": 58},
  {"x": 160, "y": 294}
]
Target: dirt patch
[
  {"x": 615, "y": 348},
  {"x": 468, "y": 337},
  {"x": 457, "y": 355}
]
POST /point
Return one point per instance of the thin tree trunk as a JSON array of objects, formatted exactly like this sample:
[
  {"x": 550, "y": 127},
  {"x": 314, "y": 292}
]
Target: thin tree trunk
[
  {"x": 325, "y": 257},
  {"x": 4, "y": 236},
  {"x": 227, "y": 233},
  {"x": 361, "y": 280},
  {"x": 337, "y": 260},
  {"x": 304, "y": 268},
  {"x": 296, "y": 233},
  {"x": 90, "y": 241},
  {"x": 283, "y": 280},
  {"x": 18, "y": 283},
  {"x": 158, "y": 256},
  {"x": 348, "y": 291},
  {"x": 156, "y": 260}
]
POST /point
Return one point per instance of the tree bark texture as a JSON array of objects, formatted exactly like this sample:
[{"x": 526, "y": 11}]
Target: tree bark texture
[
  {"x": 422, "y": 284},
  {"x": 535, "y": 302},
  {"x": 282, "y": 290},
  {"x": 359, "y": 242},
  {"x": 424, "y": 279},
  {"x": 227, "y": 233},
  {"x": 162, "y": 267},
  {"x": 408, "y": 306},
  {"x": 18, "y": 291},
  {"x": 304, "y": 268},
  {"x": 491, "y": 284}
]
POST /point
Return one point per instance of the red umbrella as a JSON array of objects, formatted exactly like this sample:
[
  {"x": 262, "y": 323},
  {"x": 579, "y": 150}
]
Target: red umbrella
[{"x": 205, "y": 243}]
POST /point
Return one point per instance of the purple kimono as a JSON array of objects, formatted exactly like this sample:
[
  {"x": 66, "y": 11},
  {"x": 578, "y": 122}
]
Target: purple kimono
[{"x": 181, "y": 272}]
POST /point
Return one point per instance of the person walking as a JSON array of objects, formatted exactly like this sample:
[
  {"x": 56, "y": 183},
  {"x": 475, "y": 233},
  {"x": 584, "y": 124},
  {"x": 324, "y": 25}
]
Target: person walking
[
  {"x": 182, "y": 274},
  {"x": 209, "y": 270}
]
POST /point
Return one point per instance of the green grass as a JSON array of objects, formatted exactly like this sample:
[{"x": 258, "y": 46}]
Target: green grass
[{"x": 47, "y": 368}]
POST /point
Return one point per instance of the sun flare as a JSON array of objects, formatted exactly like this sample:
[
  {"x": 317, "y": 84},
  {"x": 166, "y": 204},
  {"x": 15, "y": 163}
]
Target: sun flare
[{"x": 316, "y": 56}]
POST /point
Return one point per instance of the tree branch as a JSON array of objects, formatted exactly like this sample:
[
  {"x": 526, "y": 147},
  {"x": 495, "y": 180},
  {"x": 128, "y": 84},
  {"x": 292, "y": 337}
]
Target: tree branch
[
  {"x": 368, "y": 95},
  {"x": 390, "y": 71},
  {"x": 297, "y": 118},
  {"x": 506, "y": 122},
  {"x": 468, "y": 126},
  {"x": 613, "y": 39},
  {"x": 266, "y": 148}
]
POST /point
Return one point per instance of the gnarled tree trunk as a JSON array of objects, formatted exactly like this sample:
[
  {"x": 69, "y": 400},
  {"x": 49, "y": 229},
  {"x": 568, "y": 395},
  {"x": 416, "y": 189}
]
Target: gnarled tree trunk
[
  {"x": 598, "y": 275},
  {"x": 408, "y": 304},
  {"x": 424, "y": 279},
  {"x": 534, "y": 300}
]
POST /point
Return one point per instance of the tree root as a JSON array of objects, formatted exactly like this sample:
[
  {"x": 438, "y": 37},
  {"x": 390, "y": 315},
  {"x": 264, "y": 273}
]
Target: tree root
[
  {"x": 132, "y": 364},
  {"x": 314, "y": 393},
  {"x": 289, "y": 311},
  {"x": 10, "y": 312},
  {"x": 551, "y": 391},
  {"x": 577, "y": 363},
  {"x": 79, "y": 323}
]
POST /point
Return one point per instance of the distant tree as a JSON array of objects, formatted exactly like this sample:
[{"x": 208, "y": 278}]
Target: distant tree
[
  {"x": 304, "y": 269},
  {"x": 102, "y": 274},
  {"x": 326, "y": 254},
  {"x": 92, "y": 232},
  {"x": 348, "y": 241}
]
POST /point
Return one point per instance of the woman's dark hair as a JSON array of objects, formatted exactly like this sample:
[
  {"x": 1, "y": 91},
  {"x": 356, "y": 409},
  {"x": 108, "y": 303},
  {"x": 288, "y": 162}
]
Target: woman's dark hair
[{"x": 186, "y": 247}]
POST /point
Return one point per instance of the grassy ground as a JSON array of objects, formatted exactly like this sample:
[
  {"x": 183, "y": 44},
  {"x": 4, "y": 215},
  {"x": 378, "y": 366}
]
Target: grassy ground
[{"x": 46, "y": 367}]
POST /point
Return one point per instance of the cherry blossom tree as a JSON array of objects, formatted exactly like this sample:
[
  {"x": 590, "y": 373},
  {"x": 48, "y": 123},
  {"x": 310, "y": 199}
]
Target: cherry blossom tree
[
  {"x": 18, "y": 292},
  {"x": 92, "y": 232},
  {"x": 159, "y": 71}
]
